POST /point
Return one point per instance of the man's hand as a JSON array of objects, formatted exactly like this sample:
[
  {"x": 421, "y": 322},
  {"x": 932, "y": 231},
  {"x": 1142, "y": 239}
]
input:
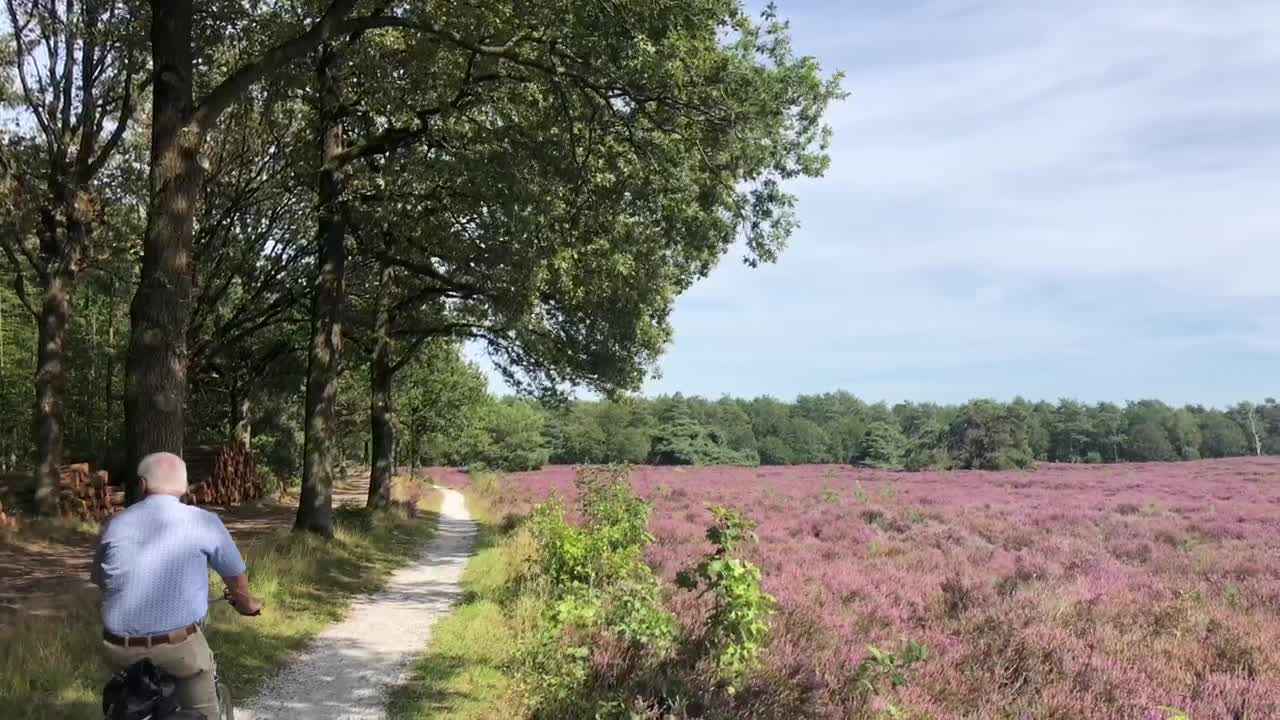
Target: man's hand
[
  {"x": 244, "y": 603},
  {"x": 238, "y": 595}
]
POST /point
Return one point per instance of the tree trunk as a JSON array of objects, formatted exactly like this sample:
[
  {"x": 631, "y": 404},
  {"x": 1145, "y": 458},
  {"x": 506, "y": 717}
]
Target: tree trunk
[
  {"x": 380, "y": 379},
  {"x": 242, "y": 419},
  {"x": 1253, "y": 428},
  {"x": 50, "y": 385},
  {"x": 156, "y": 370},
  {"x": 315, "y": 508}
]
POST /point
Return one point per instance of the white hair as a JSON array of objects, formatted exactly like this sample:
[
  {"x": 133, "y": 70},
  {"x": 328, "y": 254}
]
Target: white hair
[{"x": 165, "y": 473}]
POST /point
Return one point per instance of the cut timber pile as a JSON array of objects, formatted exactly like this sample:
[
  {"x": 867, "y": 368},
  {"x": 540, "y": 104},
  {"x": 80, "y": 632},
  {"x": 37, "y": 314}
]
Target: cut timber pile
[
  {"x": 222, "y": 476},
  {"x": 87, "y": 495},
  {"x": 216, "y": 476},
  {"x": 7, "y": 521}
]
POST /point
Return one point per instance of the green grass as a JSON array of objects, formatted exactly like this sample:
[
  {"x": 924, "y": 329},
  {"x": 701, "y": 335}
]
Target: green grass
[
  {"x": 463, "y": 673},
  {"x": 49, "y": 668}
]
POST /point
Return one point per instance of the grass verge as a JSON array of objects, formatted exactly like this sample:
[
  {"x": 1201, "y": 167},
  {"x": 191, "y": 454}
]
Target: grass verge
[
  {"x": 464, "y": 673},
  {"x": 50, "y": 668}
]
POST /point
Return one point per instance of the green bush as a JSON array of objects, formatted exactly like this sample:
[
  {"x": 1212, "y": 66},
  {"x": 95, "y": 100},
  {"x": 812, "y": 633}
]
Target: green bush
[
  {"x": 738, "y": 626},
  {"x": 884, "y": 446},
  {"x": 513, "y": 437},
  {"x": 592, "y": 634},
  {"x": 594, "y": 582}
]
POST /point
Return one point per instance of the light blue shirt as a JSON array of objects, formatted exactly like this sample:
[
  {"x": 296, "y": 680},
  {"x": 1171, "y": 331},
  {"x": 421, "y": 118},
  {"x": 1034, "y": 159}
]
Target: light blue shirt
[{"x": 153, "y": 562}]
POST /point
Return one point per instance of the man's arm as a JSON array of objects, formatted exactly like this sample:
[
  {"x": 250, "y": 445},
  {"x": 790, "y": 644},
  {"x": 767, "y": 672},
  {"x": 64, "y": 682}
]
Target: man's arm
[
  {"x": 225, "y": 559},
  {"x": 239, "y": 596},
  {"x": 95, "y": 570},
  {"x": 96, "y": 573}
]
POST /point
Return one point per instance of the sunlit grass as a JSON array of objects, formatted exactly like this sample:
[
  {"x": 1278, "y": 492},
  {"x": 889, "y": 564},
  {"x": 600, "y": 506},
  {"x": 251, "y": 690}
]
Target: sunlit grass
[
  {"x": 463, "y": 674},
  {"x": 49, "y": 668}
]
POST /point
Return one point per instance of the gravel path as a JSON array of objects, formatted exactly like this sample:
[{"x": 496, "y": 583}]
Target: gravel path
[{"x": 344, "y": 673}]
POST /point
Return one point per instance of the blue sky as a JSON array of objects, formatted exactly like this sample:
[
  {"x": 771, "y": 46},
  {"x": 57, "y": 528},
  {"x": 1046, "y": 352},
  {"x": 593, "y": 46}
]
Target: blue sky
[{"x": 1038, "y": 197}]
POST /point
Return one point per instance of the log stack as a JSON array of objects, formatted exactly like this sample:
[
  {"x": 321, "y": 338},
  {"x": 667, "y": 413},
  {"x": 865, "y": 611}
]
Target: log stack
[
  {"x": 223, "y": 476},
  {"x": 7, "y": 521},
  {"x": 87, "y": 495}
]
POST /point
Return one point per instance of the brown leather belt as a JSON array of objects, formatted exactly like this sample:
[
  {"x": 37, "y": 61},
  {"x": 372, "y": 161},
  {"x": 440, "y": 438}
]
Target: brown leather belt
[{"x": 170, "y": 638}]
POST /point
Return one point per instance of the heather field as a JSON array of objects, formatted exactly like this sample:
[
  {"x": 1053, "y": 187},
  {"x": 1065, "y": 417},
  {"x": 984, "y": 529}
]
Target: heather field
[{"x": 1069, "y": 592}]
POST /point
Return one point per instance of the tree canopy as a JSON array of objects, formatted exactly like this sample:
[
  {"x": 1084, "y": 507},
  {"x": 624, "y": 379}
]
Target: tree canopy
[{"x": 323, "y": 195}]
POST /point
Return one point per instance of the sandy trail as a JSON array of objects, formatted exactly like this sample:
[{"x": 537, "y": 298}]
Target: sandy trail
[{"x": 345, "y": 672}]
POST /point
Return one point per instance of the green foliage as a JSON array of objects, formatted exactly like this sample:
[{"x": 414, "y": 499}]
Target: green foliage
[
  {"x": 594, "y": 580},
  {"x": 884, "y": 446},
  {"x": 441, "y": 401},
  {"x": 884, "y": 666},
  {"x": 1149, "y": 442},
  {"x": 986, "y": 435},
  {"x": 927, "y": 448},
  {"x": 681, "y": 440},
  {"x": 823, "y": 428},
  {"x": 738, "y": 626},
  {"x": 1221, "y": 436},
  {"x": 513, "y": 439}
]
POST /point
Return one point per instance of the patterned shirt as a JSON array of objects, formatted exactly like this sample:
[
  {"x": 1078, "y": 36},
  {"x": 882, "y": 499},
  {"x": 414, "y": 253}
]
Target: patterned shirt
[{"x": 153, "y": 562}]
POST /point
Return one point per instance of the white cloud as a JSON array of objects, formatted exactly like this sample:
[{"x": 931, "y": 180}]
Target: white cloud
[
  {"x": 1022, "y": 184},
  {"x": 1038, "y": 197}
]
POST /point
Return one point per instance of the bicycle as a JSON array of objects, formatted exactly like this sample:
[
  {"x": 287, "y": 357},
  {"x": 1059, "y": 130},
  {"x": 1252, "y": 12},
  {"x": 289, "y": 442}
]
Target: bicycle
[{"x": 226, "y": 708}]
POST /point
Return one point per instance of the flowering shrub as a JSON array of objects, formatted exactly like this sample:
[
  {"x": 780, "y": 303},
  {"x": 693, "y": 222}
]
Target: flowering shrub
[{"x": 1089, "y": 591}]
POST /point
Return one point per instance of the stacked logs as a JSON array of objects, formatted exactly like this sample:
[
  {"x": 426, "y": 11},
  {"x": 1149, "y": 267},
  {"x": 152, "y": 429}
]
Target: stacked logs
[
  {"x": 7, "y": 522},
  {"x": 222, "y": 476},
  {"x": 87, "y": 495}
]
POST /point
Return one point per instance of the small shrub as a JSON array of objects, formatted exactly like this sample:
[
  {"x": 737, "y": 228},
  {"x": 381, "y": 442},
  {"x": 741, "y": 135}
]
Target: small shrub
[
  {"x": 881, "y": 666},
  {"x": 958, "y": 596},
  {"x": 738, "y": 625},
  {"x": 592, "y": 582}
]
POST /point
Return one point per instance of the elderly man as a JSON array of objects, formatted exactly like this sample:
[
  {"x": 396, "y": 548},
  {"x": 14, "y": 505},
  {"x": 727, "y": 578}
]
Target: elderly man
[{"x": 152, "y": 564}]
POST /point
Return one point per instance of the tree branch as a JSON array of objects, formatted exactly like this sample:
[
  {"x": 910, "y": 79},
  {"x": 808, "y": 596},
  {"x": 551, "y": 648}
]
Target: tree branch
[
  {"x": 227, "y": 92},
  {"x": 122, "y": 124},
  {"x": 68, "y": 66},
  {"x": 409, "y": 353},
  {"x": 430, "y": 271},
  {"x": 19, "y": 275},
  {"x": 88, "y": 103},
  {"x": 20, "y": 53}
]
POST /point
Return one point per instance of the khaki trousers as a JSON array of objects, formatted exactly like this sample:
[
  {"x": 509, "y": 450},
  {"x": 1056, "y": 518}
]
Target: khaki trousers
[{"x": 190, "y": 662}]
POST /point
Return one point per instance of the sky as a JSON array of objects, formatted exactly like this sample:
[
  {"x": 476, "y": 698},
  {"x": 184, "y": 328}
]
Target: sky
[{"x": 1044, "y": 198}]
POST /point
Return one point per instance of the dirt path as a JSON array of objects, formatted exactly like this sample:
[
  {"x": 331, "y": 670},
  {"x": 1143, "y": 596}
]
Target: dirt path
[
  {"x": 345, "y": 672},
  {"x": 45, "y": 569}
]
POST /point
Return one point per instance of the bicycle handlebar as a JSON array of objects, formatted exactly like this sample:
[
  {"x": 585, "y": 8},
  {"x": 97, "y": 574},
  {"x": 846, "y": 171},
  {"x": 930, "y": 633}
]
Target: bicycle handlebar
[{"x": 226, "y": 597}]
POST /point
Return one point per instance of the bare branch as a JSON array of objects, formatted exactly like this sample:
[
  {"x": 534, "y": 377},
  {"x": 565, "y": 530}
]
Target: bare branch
[
  {"x": 122, "y": 124},
  {"x": 68, "y": 65},
  {"x": 28, "y": 94}
]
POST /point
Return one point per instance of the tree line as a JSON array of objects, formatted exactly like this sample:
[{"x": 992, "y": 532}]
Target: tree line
[
  {"x": 834, "y": 427},
  {"x": 244, "y": 222}
]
